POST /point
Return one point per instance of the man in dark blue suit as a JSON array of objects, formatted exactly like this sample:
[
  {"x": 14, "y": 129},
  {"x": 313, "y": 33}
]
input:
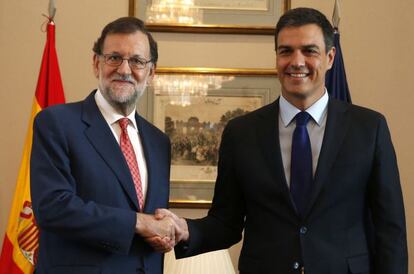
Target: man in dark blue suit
[
  {"x": 99, "y": 170},
  {"x": 335, "y": 205}
]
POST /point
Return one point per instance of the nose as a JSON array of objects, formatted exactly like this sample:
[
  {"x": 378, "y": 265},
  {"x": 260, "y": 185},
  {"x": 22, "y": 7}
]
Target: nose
[
  {"x": 298, "y": 60},
  {"x": 124, "y": 68}
]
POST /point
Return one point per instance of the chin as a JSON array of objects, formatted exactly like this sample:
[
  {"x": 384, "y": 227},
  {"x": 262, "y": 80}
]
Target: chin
[
  {"x": 297, "y": 92},
  {"x": 130, "y": 99}
]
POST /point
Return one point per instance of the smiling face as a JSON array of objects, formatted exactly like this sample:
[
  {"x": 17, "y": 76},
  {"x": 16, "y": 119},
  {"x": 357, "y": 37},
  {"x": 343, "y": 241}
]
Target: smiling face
[
  {"x": 120, "y": 85},
  {"x": 302, "y": 62}
]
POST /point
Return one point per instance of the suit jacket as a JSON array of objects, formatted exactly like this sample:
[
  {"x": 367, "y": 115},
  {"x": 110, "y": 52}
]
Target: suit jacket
[
  {"x": 354, "y": 222},
  {"x": 83, "y": 194}
]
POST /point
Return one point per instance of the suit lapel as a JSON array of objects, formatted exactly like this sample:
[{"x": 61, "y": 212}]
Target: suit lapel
[
  {"x": 268, "y": 136},
  {"x": 150, "y": 159},
  {"x": 101, "y": 138},
  {"x": 337, "y": 124}
]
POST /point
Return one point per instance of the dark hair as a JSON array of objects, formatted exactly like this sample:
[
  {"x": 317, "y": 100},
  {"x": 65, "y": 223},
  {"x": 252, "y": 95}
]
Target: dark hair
[
  {"x": 304, "y": 16},
  {"x": 127, "y": 25}
]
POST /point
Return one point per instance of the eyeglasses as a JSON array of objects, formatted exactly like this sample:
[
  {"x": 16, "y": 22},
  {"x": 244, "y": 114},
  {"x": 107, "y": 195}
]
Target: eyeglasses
[{"x": 116, "y": 60}]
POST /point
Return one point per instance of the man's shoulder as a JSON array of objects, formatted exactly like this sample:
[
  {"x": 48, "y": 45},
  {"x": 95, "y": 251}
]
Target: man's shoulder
[
  {"x": 150, "y": 128},
  {"x": 356, "y": 111},
  {"x": 60, "y": 110},
  {"x": 66, "y": 110},
  {"x": 269, "y": 111}
]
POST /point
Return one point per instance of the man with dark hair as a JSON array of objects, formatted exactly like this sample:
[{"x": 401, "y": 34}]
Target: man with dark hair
[
  {"x": 99, "y": 170},
  {"x": 304, "y": 16},
  {"x": 127, "y": 25},
  {"x": 306, "y": 176}
]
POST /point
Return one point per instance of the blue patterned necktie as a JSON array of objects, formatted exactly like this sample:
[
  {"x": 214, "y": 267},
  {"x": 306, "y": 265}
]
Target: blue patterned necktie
[{"x": 301, "y": 164}]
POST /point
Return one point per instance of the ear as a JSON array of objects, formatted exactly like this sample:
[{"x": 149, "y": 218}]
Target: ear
[
  {"x": 331, "y": 56},
  {"x": 95, "y": 65},
  {"x": 151, "y": 73}
]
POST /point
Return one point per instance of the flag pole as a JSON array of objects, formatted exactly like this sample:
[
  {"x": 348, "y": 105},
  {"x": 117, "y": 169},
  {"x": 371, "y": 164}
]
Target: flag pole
[
  {"x": 52, "y": 10},
  {"x": 336, "y": 15},
  {"x": 335, "y": 80}
]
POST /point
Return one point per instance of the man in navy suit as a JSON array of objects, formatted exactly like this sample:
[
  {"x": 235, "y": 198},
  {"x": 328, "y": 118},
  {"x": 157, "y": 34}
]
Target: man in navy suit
[
  {"x": 93, "y": 201},
  {"x": 348, "y": 218}
]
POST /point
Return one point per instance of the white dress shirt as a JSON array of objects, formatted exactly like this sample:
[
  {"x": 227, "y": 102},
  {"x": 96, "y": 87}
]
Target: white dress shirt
[
  {"x": 111, "y": 117},
  {"x": 315, "y": 126}
]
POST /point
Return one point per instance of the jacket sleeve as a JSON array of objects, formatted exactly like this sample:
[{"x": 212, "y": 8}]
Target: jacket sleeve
[
  {"x": 387, "y": 207},
  {"x": 223, "y": 225}
]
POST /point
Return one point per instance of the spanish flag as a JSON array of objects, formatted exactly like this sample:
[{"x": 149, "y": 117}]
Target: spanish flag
[{"x": 21, "y": 243}]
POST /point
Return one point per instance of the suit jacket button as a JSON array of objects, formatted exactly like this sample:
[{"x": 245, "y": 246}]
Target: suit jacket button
[
  {"x": 303, "y": 230},
  {"x": 296, "y": 265}
]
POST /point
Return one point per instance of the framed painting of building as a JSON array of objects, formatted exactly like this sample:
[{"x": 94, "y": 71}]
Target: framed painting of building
[{"x": 192, "y": 106}]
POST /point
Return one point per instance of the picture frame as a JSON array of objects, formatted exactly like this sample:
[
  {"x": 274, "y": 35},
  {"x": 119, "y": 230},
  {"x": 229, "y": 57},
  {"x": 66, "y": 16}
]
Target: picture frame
[
  {"x": 195, "y": 128},
  {"x": 256, "y": 17}
]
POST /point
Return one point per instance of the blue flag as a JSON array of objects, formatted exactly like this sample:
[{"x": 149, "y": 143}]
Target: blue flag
[{"x": 335, "y": 80}]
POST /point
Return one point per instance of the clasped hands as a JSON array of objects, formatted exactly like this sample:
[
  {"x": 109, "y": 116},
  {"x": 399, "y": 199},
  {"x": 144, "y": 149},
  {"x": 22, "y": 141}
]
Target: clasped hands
[{"x": 163, "y": 230}]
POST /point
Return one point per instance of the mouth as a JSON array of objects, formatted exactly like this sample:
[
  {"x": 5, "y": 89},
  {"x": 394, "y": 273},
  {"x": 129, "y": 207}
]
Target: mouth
[
  {"x": 118, "y": 81},
  {"x": 297, "y": 75}
]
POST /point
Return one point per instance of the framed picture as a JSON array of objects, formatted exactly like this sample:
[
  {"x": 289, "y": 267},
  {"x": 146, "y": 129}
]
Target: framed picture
[
  {"x": 192, "y": 106},
  {"x": 211, "y": 16}
]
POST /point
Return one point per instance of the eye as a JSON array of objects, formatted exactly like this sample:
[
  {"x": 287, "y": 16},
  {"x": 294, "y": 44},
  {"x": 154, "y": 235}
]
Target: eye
[
  {"x": 136, "y": 61},
  {"x": 311, "y": 51},
  {"x": 283, "y": 51},
  {"x": 114, "y": 58}
]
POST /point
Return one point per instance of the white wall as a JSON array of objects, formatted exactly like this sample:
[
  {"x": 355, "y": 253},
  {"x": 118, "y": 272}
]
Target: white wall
[{"x": 377, "y": 43}]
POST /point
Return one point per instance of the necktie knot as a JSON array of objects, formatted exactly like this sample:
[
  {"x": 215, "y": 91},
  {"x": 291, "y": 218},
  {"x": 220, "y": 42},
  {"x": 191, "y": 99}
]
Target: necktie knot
[
  {"x": 302, "y": 118},
  {"x": 123, "y": 123}
]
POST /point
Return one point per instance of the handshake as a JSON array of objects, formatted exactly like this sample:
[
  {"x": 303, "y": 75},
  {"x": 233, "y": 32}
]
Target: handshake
[{"x": 163, "y": 230}]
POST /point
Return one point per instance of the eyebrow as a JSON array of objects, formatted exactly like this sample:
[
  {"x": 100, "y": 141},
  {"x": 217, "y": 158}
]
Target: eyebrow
[
  {"x": 283, "y": 47},
  {"x": 310, "y": 46},
  {"x": 135, "y": 55}
]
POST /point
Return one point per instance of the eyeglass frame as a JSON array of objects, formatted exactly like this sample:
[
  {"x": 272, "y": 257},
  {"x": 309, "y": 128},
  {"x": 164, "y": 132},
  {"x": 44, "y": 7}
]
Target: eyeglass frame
[{"x": 105, "y": 57}]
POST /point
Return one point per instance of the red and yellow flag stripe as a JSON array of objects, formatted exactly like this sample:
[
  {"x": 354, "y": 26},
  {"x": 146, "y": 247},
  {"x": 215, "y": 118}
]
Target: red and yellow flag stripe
[{"x": 21, "y": 242}]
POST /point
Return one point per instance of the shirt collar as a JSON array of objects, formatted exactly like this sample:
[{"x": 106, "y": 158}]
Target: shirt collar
[
  {"x": 109, "y": 113},
  {"x": 316, "y": 110}
]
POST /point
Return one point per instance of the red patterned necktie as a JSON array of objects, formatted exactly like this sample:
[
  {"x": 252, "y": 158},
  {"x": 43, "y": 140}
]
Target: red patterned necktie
[{"x": 130, "y": 157}]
